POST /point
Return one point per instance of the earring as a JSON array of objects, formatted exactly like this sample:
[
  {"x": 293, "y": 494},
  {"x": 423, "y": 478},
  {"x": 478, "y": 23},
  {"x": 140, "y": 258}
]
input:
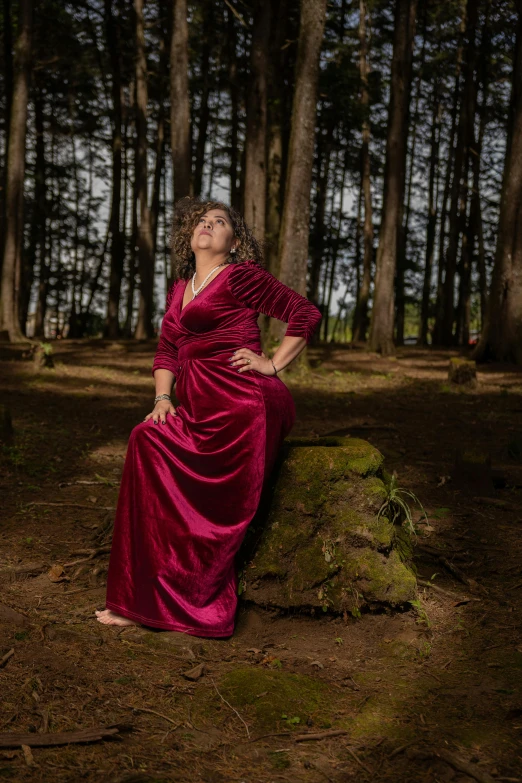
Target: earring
[{"x": 233, "y": 251}]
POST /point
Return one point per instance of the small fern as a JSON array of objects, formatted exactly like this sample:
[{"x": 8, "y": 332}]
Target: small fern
[{"x": 396, "y": 506}]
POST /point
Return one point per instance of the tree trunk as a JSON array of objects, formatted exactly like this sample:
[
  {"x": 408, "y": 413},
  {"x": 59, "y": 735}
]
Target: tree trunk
[
  {"x": 165, "y": 48},
  {"x": 502, "y": 336},
  {"x": 475, "y": 215},
  {"x": 112, "y": 33},
  {"x": 179, "y": 101},
  {"x": 439, "y": 301},
  {"x": 38, "y": 224},
  {"x": 381, "y": 334},
  {"x": 275, "y": 134},
  {"x": 432, "y": 215},
  {"x": 293, "y": 242},
  {"x": 360, "y": 318},
  {"x": 233, "y": 86},
  {"x": 324, "y": 149},
  {"x": 204, "y": 109},
  {"x": 14, "y": 229},
  {"x": 256, "y": 123},
  {"x": 404, "y": 219},
  {"x": 8, "y": 92},
  {"x": 144, "y": 327},
  {"x": 459, "y": 186}
]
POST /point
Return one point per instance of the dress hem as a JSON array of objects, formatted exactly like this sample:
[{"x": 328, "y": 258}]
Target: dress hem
[{"x": 211, "y": 634}]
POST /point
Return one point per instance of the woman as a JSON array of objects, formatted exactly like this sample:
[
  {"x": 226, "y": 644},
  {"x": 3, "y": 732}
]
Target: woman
[{"x": 193, "y": 474}]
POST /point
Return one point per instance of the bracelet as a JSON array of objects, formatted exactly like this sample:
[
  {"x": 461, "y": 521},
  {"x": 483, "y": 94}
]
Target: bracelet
[
  {"x": 161, "y": 397},
  {"x": 275, "y": 368}
]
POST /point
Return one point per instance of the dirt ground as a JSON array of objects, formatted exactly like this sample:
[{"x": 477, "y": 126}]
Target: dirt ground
[{"x": 432, "y": 694}]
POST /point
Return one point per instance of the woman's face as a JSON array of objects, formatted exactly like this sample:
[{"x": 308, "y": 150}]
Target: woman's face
[{"x": 214, "y": 232}]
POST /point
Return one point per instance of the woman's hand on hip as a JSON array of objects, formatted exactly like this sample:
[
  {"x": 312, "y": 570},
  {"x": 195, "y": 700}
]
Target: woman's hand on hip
[
  {"x": 161, "y": 409},
  {"x": 244, "y": 359}
]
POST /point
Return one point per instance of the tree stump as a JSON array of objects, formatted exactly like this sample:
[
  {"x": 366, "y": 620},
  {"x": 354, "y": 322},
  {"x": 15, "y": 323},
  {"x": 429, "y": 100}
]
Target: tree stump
[
  {"x": 462, "y": 372},
  {"x": 42, "y": 356},
  {"x": 325, "y": 545}
]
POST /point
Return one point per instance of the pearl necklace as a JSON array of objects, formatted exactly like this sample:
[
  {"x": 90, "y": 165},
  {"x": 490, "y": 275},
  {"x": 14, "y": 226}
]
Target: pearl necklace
[{"x": 195, "y": 291}]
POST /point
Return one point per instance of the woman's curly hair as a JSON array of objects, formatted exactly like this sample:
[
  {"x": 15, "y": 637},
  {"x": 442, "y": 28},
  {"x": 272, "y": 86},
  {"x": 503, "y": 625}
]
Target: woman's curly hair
[{"x": 187, "y": 212}]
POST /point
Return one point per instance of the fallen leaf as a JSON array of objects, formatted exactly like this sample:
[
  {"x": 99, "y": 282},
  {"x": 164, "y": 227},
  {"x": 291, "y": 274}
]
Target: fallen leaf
[
  {"x": 57, "y": 573},
  {"x": 93, "y": 499},
  {"x": 318, "y": 664},
  {"x": 255, "y": 650}
]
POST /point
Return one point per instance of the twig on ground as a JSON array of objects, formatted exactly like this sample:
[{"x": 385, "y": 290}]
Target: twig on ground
[
  {"x": 320, "y": 735},
  {"x": 402, "y": 748},
  {"x": 438, "y": 589},
  {"x": 92, "y": 507},
  {"x": 103, "y": 550},
  {"x": 11, "y": 573},
  {"x": 6, "y": 657},
  {"x": 231, "y": 707},
  {"x": 153, "y": 712},
  {"x": 267, "y": 736},
  {"x": 358, "y": 760},
  {"x": 463, "y": 766}
]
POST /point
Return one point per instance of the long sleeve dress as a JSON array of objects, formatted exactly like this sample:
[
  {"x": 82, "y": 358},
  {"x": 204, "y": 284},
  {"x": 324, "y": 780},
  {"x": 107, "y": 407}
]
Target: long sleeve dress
[{"x": 191, "y": 487}]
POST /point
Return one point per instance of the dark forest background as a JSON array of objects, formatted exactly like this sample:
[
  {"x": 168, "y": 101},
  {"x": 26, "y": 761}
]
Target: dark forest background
[{"x": 375, "y": 146}]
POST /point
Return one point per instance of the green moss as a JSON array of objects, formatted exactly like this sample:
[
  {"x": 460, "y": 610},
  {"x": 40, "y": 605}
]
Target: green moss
[
  {"x": 309, "y": 567},
  {"x": 353, "y": 454},
  {"x": 324, "y": 543},
  {"x": 374, "y": 490},
  {"x": 403, "y": 543},
  {"x": 381, "y": 579},
  {"x": 268, "y": 695}
]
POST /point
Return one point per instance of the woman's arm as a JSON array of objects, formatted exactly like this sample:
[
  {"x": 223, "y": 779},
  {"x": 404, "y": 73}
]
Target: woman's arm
[
  {"x": 256, "y": 288},
  {"x": 287, "y": 351}
]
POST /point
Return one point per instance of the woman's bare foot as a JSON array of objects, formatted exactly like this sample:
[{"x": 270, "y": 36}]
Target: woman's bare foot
[{"x": 107, "y": 617}]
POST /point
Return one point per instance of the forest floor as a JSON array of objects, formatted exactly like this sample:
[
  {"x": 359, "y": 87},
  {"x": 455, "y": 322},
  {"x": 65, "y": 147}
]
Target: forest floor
[{"x": 432, "y": 694}]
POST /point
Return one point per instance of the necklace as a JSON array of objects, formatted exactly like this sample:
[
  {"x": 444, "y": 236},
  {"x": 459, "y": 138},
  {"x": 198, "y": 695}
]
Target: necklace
[{"x": 195, "y": 291}]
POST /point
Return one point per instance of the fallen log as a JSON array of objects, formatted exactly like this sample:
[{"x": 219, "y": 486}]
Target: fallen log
[{"x": 12, "y": 740}]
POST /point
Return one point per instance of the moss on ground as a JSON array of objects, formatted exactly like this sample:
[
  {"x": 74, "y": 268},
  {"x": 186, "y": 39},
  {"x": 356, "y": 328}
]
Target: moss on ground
[{"x": 268, "y": 696}]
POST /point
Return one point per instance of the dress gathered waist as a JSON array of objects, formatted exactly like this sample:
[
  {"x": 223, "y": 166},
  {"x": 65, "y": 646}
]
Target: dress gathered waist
[{"x": 212, "y": 349}]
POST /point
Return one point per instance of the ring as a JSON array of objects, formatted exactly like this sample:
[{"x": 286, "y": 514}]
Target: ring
[{"x": 249, "y": 361}]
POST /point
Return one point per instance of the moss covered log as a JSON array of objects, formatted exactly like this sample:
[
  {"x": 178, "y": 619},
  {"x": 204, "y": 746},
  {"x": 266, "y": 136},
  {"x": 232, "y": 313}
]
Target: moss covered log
[{"x": 324, "y": 544}]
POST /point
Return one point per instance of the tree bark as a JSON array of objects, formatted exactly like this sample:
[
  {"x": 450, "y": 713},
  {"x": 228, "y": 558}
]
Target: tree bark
[
  {"x": 14, "y": 229},
  {"x": 360, "y": 318},
  {"x": 293, "y": 241},
  {"x": 204, "y": 109},
  {"x": 439, "y": 300},
  {"x": 256, "y": 123},
  {"x": 275, "y": 121},
  {"x": 8, "y": 92},
  {"x": 324, "y": 149},
  {"x": 179, "y": 101},
  {"x": 144, "y": 327},
  {"x": 501, "y": 339},
  {"x": 432, "y": 215},
  {"x": 112, "y": 35},
  {"x": 381, "y": 333},
  {"x": 459, "y": 186},
  {"x": 404, "y": 219}
]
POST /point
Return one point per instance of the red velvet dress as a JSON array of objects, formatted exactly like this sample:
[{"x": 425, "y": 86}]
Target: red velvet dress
[{"x": 191, "y": 487}]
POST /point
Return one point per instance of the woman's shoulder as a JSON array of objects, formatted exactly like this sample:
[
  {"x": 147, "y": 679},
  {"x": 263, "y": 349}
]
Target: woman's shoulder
[
  {"x": 171, "y": 291},
  {"x": 248, "y": 267}
]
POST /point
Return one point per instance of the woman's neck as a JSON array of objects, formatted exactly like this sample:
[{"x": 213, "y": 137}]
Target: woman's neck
[{"x": 206, "y": 261}]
